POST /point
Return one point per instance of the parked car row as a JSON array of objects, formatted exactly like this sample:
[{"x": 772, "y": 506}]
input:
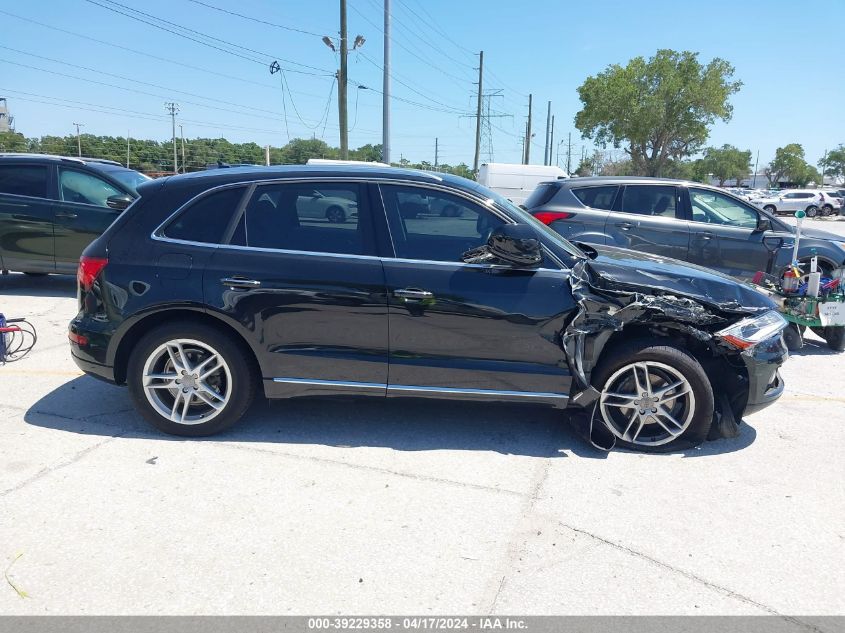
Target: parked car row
[
  {"x": 689, "y": 221},
  {"x": 815, "y": 202}
]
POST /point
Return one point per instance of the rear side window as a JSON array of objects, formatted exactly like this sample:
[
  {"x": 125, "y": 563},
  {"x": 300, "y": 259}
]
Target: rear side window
[
  {"x": 544, "y": 192},
  {"x": 206, "y": 219},
  {"x": 596, "y": 197},
  {"x": 311, "y": 217},
  {"x": 24, "y": 180},
  {"x": 655, "y": 200}
]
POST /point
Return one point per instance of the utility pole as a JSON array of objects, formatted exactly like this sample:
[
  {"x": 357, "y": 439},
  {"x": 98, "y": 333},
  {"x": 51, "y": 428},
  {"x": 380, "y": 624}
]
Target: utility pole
[
  {"x": 436, "y": 152},
  {"x": 824, "y": 168},
  {"x": 182, "y": 134},
  {"x": 552, "y": 140},
  {"x": 172, "y": 108},
  {"x": 548, "y": 129},
  {"x": 754, "y": 176},
  {"x": 267, "y": 155},
  {"x": 528, "y": 134},
  {"x": 569, "y": 154},
  {"x": 478, "y": 113},
  {"x": 127, "y": 149},
  {"x": 78, "y": 139},
  {"x": 341, "y": 86},
  {"x": 385, "y": 104}
]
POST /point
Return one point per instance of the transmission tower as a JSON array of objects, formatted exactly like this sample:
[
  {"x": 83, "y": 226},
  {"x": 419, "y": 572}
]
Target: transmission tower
[{"x": 486, "y": 127}]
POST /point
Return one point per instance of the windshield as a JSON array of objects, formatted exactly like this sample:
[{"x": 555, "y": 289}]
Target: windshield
[
  {"x": 527, "y": 218},
  {"x": 127, "y": 177}
]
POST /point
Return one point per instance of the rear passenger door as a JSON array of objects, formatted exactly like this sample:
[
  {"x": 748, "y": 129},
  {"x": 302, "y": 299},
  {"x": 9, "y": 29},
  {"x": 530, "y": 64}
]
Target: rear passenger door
[
  {"x": 649, "y": 219},
  {"x": 26, "y": 218},
  {"x": 307, "y": 286}
]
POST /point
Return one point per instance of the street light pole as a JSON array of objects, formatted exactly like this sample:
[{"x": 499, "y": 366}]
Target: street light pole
[{"x": 385, "y": 103}]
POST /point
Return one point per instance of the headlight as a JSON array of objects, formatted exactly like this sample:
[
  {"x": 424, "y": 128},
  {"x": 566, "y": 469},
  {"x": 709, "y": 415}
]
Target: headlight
[{"x": 752, "y": 330}]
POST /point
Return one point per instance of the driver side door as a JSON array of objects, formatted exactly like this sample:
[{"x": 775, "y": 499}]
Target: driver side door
[
  {"x": 467, "y": 330},
  {"x": 724, "y": 234}
]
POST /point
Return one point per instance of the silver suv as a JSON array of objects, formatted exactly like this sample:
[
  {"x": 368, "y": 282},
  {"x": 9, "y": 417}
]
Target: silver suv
[{"x": 685, "y": 220}]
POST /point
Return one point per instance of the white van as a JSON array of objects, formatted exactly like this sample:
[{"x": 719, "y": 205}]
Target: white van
[{"x": 514, "y": 181}]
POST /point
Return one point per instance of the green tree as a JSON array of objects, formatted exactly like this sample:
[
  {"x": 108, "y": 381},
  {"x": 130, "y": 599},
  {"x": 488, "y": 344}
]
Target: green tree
[
  {"x": 833, "y": 163},
  {"x": 788, "y": 164},
  {"x": 727, "y": 163},
  {"x": 299, "y": 150},
  {"x": 659, "y": 109},
  {"x": 13, "y": 142}
]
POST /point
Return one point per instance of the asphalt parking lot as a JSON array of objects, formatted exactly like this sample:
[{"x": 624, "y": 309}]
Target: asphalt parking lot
[{"x": 352, "y": 507}]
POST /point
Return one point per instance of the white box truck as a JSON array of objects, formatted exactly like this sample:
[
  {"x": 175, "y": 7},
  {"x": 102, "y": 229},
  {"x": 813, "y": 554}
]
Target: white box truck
[{"x": 514, "y": 181}]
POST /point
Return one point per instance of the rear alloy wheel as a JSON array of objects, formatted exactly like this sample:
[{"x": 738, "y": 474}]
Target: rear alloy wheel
[
  {"x": 336, "y": 215},
  {"x": 826, "y": 210},
  {"x": 190, "y": 380},
  {"x": 654, "y": 397},
  {"x": 812, "y": 210},
  {"x": 771, "y": 209}
]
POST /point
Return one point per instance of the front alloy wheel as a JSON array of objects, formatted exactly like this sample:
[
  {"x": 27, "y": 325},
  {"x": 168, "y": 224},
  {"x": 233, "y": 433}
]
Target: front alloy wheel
[
  {"x": 647, "y": 403},
  {"x": 653, "y": 396}
]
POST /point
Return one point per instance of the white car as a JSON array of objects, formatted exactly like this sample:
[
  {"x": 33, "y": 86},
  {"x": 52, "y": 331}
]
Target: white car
[
  {"x": 792, "y": 200},
  {"x": 833, "y": 202}
]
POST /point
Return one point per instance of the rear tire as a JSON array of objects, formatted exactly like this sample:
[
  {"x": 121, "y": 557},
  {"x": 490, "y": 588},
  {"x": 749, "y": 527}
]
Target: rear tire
[
  {"x": 835, "y": 337},
  {"x": 677, "y": 411},
  {"x": 190, "y": 379},
  {"x": 826, "y": 210},
  {"x": 771, "y": 209},
  {"x": 812, "y": 211}
]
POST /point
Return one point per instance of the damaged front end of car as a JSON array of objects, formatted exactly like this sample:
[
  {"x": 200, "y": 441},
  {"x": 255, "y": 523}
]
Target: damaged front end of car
[{"x": 731, "y": 329}]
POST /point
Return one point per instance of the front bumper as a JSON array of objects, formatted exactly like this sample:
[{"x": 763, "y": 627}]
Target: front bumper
[{"x": 765, "y": 384}]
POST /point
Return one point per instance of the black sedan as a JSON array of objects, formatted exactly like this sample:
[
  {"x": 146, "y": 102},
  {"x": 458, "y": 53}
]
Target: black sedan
[{"x": 218, "y": 285}]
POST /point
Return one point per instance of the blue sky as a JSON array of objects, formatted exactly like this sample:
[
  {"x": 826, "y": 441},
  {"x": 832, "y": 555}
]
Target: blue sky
[{"x": 787, "y": 54}]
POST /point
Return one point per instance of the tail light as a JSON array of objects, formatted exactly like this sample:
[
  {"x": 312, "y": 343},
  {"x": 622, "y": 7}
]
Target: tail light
[
  {"x": 89, "y": 269},
  {"x": 547, "y": 217}
]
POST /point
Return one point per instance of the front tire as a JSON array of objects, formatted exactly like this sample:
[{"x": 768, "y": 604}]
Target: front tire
[
  {"x": 654, "y": 397},
  {"x": 336, "y": 215},
  {"x": 190, "y": 379}
]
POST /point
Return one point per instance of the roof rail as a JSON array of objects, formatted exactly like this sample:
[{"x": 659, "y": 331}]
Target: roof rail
[{"x": 71, "y": 159}]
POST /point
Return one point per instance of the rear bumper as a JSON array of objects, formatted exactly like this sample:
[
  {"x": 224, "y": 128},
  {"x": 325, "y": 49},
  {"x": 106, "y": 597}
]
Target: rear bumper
[
  {"x": 91, "y": 355},
  {"x": 102, "y": 372},
  {"x": 765, "y": 384}
]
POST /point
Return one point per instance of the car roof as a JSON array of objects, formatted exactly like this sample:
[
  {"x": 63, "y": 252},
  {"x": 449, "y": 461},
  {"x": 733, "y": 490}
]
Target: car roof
[
  {"x": 55, "y": 159},
  {"x": 624, "y": 180},
  {"x": 214, "y": 177}
]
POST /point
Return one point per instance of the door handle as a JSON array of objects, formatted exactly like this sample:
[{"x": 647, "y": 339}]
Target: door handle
[
  {"x": 706, "y": 236},
  {"x": 240, "y": 282},
  {"x": 65, "y": 214},
  {"x": 625, "y": 226},
  {"x": 412, "y": 294}
]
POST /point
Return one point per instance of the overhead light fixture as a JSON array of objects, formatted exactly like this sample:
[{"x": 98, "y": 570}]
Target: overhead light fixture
[{"x": 328, "y": 42}]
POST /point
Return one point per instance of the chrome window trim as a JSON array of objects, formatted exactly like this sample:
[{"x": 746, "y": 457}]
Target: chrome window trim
[
  {"x": 418, "y": 388},
  {"x": 251, "y": 185}
]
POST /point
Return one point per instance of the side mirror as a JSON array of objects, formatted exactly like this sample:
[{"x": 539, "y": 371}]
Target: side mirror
[
  {"x": 763, "y": 223},
  {"x": 119, "y": 202},
  {"x": 516, "y": 244}
]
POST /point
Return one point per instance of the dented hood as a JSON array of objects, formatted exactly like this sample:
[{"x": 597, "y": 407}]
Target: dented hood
[{"x": 622, "y": 270}]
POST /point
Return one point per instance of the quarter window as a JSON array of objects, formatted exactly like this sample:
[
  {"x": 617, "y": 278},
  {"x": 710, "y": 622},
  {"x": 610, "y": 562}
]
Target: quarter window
[
  {"x": 206, "y": 219},
  {"x": 77, "y": 186},
  {"x": 311, "y": 217},
  {"x": 714, "y": 208},
  {"x": 24, "y": 180},
  {"x": 596, "y": 197},
  {"x": 655, "y": 200},
  {"x": 432, "y": 225}
]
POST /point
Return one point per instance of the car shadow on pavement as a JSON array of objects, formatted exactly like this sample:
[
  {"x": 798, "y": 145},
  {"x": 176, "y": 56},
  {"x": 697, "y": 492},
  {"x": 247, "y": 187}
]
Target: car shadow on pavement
[
  {"x": 87, "y": 406},
  {"x": 814, "y": 347},
  {"x": 41, "y": 286}
]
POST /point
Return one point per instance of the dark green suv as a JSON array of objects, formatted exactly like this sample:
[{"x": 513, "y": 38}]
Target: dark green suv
[{"x": 52, "y": 207}]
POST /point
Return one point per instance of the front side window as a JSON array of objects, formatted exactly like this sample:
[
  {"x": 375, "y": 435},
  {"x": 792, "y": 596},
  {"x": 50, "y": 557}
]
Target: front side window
[
  {"x": 77, "y": 186},
  {"x": 596, "y": 197},
  {"x": 655, "y": 200},
  {"x": 715, "y": 208},
  {"x": 432, "y": 225},
  {"x": 207, "y": 219},
  {"x": 24, "y": 180},
  {"x": 311, "y": 217}
]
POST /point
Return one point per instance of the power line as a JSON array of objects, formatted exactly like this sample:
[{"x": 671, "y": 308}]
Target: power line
[
  {"x": 253, "y": 19},
  {"x": 152, "y": 56},
  {"x": 267, "y": 56},
  {"x": 435, "y": 28}
]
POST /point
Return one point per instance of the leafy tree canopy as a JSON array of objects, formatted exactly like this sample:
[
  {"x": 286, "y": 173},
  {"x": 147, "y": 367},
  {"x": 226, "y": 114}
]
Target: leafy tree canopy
[
  {"x": 726, "y": 163},
  {"x": 659, "y": 109}
]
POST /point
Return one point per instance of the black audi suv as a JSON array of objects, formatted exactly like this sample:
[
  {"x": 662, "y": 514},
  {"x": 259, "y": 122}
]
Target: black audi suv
[{"x": 215, "y": 286}]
